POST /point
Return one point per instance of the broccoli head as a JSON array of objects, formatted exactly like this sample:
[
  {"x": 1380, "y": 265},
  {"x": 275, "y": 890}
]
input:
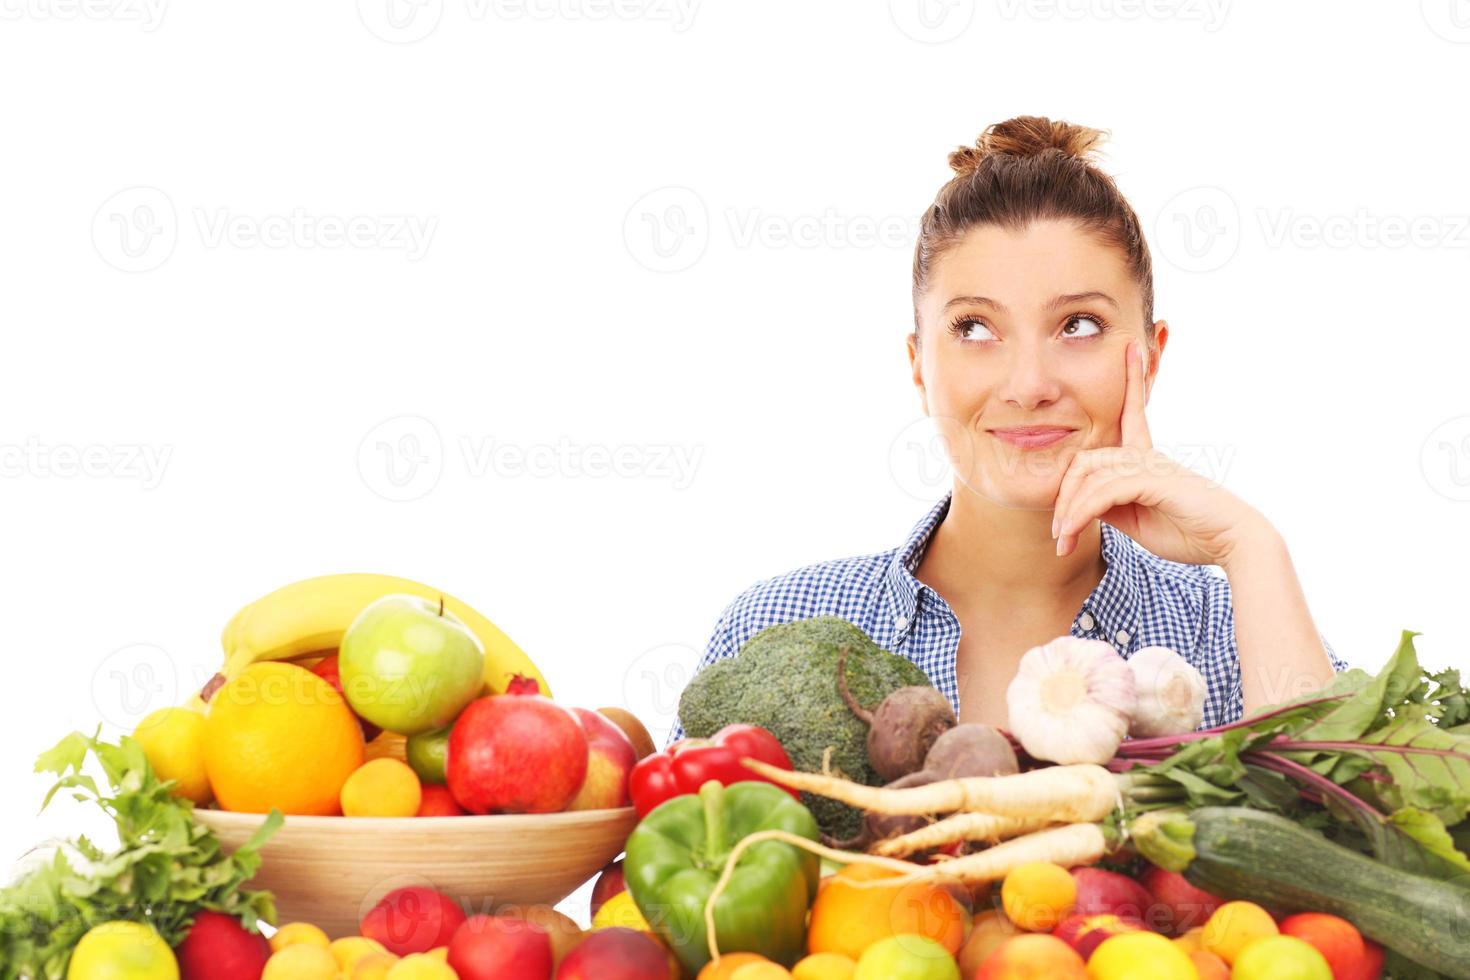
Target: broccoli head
[{"x": 784, "y": 679}]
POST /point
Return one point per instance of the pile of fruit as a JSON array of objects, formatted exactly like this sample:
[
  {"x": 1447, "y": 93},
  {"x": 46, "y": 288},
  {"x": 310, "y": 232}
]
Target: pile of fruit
[{"x": 367, "y": 696}]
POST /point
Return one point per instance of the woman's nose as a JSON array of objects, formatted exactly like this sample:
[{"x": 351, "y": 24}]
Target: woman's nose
[{"x": 1030, "y": 377}]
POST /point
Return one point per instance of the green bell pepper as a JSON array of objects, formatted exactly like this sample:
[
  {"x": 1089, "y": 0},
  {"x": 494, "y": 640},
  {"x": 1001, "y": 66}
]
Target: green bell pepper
[{"x": 677, "y": 853}]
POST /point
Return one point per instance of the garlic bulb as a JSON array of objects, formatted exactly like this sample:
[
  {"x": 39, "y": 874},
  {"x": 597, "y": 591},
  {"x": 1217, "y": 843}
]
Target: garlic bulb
[
  {"x": 1071, "y": 701},
  {"x": 1171, "y": 693}
]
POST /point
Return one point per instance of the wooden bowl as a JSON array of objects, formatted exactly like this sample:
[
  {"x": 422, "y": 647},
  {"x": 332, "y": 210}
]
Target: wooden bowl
[{"x": 331, "y": 870}]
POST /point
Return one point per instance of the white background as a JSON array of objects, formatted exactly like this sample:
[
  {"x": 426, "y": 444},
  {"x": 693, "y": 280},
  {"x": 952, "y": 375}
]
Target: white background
[{"x": 179, "y": 315}]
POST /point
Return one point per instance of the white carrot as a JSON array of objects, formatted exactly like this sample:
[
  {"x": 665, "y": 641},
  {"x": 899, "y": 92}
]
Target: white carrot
[
  {"x": 1070, "y": 846},
  {"x": 1061, "y": 794},
  {"x": 962, "y": 826}
]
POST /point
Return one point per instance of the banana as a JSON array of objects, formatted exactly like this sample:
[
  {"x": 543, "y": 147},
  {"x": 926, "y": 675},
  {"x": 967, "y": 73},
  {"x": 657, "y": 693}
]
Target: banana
[{"x": 305, "y": 618}]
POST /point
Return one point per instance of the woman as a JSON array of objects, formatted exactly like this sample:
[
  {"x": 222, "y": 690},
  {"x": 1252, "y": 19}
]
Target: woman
[{"x": 1034, "y": 347}]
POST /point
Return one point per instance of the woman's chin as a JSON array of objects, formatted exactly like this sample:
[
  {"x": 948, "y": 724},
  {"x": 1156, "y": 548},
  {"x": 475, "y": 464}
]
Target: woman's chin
[{"x": 1032, "y": 495}]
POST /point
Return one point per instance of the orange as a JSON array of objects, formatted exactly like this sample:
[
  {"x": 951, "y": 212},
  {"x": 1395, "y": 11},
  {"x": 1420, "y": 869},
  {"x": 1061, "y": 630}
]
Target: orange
[
  {"x": 1038, "y": 895},
  {"x": 279, "y": 736},
  {"x": 847, "y": 919},
  {"x": 382, "y": 788},
  {"x": 824, "y": 966}
]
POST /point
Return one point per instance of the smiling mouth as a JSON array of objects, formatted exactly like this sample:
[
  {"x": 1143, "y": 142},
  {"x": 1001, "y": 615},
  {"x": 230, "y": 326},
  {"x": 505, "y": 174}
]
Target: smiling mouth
[{"x": 1032, "y": 437}]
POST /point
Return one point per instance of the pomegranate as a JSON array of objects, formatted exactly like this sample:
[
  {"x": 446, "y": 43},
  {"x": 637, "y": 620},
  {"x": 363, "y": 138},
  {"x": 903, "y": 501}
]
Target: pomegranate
[{"x": 517, "y": 752}]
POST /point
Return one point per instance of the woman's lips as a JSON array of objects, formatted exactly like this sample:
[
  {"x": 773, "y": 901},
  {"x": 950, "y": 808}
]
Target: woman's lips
[{"x": 1032, "y": 437}]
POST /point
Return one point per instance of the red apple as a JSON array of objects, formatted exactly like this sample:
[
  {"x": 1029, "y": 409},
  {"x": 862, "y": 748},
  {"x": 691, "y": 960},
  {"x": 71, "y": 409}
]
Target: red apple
[
  {"x": 437, "y": 801},
  {"x": 1085, "y": 933},
  {"x": 494, "y": 947},
  {"x": 1102, "y": 892},
  {"x": 615, "y": 953},
  {"x": 1370, "y": 967},
  {"x": 218, "y": 947},
  {"x": 516, "y": 753},
  {"x": 610, "y": 757},
  {"x": 609, "y": 883},
  {"x": 329, "y": 670},
  {"x": 1178, "y": 906},
  {"x": 1337, "y": 939},
  {"x": 412, "y": 920}
]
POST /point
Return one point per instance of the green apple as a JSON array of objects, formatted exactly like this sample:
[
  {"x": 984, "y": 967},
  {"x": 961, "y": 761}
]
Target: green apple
[{"x": 408, "y": 666}]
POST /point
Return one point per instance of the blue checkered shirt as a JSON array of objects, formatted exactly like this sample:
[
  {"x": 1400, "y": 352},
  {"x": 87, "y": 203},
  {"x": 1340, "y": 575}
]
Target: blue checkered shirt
[{"x": 1143, "y": 600}]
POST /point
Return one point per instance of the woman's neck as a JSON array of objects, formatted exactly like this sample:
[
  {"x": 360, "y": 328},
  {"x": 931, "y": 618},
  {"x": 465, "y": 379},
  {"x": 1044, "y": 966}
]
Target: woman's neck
[{"x": 984, "y": 552}]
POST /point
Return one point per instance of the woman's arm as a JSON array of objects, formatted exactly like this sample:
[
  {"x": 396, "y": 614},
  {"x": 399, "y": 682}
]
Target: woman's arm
[{"x": 1281, "y": 651}]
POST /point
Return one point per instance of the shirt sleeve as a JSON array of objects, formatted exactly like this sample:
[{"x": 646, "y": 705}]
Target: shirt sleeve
[{"x": 721, "y": 645}]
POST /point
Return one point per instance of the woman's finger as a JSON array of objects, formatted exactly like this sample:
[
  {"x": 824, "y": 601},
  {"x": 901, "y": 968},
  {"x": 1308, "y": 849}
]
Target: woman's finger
[
  {"x": 1134, "y": 425},
  {"x": 1096, "y": 500},
  {"x": 1073, "y": 516}
]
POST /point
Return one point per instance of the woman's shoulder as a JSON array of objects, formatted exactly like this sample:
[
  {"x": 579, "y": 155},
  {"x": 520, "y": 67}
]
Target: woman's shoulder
[{"x": 850, "y": 587}]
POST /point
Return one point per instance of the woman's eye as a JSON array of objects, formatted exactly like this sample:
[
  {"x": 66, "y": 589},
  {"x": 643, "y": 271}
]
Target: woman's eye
[
  {"x": 969, "y": 330},
  {"x": 1079, "y": 324}
]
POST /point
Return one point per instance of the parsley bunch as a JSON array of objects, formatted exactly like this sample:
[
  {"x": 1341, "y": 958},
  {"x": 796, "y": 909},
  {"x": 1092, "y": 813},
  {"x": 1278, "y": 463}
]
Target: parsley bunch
[{"x": 167, "y": 867}]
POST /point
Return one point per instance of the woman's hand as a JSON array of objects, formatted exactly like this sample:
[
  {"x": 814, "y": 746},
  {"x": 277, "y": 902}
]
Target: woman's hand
[{"x": 1171, "y": 510}]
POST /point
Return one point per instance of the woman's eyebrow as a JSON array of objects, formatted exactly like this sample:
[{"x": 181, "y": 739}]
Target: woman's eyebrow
[{"x": 1062, "y": 300}]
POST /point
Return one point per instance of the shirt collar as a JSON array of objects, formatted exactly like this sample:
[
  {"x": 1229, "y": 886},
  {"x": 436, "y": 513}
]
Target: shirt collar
[{"x": 1113, "y": 608}]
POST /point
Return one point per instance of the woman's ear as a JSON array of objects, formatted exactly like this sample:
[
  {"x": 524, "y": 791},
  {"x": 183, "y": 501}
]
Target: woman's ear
[
  {"x": 916, "y": 369},
  {"x": 1161, "y": 338}
]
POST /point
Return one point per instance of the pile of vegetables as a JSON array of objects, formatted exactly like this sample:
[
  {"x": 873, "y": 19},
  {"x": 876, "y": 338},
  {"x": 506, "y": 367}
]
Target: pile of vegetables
[
  {"x": 1351, "y": 800},
  {"x": 166, "y": 869}
]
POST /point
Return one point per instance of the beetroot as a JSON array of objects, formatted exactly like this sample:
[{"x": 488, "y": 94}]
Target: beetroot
[
  {"x": 903, "y": 726},
  {"x": 971, "y": 749}
]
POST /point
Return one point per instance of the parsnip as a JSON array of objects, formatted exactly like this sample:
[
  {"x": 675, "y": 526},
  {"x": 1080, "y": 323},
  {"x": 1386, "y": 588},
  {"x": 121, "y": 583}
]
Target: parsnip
[{"x": 961, "y": 826}]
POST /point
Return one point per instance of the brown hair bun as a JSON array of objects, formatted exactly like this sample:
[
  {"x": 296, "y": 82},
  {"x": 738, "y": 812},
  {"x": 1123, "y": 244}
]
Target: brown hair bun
[{"x": 1027, "y": 136}]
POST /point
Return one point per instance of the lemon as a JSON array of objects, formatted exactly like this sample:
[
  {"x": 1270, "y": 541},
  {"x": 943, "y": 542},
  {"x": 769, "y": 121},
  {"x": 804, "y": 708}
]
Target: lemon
[
  {"x": 1140, "y": 955},
  {"x": 620, "y": 910},
  {"x": 351, "y": 950},
  {"x": 122, "y": 951},
  {"x": 294, "y": 933},
  {"x": 421, "y": 966},
  {"x": 301, "y": 961},
  {"x": 173, "y": 741}
]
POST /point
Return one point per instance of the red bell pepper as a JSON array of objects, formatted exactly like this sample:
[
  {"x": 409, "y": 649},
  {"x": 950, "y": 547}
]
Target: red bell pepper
[{"x": 686, "y": 765}]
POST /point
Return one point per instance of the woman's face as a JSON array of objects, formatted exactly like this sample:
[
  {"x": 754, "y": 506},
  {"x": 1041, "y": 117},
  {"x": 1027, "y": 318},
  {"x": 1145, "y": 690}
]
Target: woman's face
[{"x": 1027, "y": 328}]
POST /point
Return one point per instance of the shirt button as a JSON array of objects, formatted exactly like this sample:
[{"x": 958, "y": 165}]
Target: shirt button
[
  {"x": 902, "y": 622},
  {"x": 1086, "y": 621},
  {"x": 1123, "y": 636}
]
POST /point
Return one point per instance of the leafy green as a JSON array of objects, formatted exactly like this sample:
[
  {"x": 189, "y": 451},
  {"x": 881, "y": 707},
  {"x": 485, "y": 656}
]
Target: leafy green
[
  {"x": 167, "y": 867},
  {"x": 1380, "y": 763}
]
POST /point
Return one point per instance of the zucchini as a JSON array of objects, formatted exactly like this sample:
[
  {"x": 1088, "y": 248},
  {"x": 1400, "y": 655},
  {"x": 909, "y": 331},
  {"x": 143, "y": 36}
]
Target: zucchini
[{"x": 1239, "y": 853}]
